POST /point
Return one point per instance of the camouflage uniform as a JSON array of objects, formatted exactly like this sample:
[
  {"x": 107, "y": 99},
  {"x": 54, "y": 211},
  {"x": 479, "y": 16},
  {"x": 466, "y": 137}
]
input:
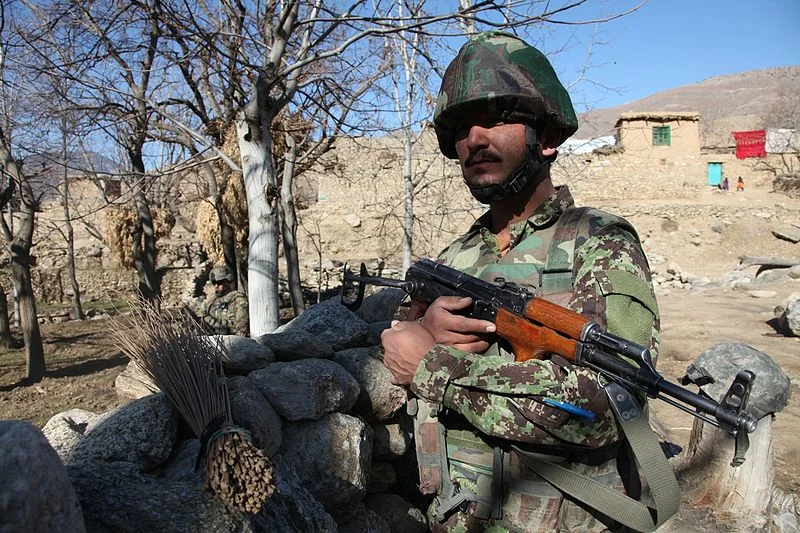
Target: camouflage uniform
[
  {"x": 485, "y": 409},
  {"x": 228, "y": 314}
]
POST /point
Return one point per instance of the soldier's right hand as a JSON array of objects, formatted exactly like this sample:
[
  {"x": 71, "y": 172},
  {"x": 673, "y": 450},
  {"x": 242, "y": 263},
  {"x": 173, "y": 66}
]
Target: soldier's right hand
[{"x": 452, "y": 329}]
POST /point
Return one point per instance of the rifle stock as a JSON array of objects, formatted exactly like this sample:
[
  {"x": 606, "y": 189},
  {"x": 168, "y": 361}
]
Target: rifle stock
[{"x": 531, "y": 341}]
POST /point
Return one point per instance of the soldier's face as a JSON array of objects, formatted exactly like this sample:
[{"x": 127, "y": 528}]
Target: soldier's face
[
  {"x": 488, "y": 149},
  {"x": 221, "y": 286}
]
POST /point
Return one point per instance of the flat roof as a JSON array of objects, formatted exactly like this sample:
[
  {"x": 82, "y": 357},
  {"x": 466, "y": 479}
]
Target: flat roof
[{"x": 661, "y": 116}]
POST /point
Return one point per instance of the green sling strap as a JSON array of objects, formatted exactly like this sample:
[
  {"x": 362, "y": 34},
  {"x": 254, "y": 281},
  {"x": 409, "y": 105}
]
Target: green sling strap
[
  {"x": 556, "y": 275},
  {"x": 652, "y": 462}
]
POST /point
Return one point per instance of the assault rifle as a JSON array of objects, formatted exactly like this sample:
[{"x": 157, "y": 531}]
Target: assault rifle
[{"x": 534, "y": 327}]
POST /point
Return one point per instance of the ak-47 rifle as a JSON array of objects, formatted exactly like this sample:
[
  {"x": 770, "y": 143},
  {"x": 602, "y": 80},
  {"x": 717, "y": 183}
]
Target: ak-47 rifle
[{"x": 535, "y": 327}]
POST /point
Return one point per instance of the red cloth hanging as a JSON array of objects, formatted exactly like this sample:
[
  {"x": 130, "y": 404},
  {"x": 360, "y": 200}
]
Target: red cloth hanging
[{"x": 750, "y": 143}]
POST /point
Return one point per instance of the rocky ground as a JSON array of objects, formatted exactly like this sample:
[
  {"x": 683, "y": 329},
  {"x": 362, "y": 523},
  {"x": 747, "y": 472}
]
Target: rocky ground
[{"x": 701, "y": 238}]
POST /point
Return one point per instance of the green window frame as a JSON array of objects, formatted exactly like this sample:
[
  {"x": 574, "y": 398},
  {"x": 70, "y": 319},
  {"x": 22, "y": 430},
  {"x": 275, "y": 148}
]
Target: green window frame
[{"x": 661, "y": 136}]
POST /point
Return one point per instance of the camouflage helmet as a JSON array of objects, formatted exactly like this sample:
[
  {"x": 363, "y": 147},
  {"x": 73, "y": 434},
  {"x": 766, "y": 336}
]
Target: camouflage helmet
[
  {"x": 721, "y": 362},
  {"x": 220, "y": 273},
  {"x": 500, "y": 73}
]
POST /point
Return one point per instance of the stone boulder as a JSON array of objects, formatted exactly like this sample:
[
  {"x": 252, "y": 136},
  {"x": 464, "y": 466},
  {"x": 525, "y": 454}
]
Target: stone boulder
[
  {"x": 788, "y": 314},
  {"x": 141, "y": 432},
  {"x": 37, "y": 495},
  {"x": 253, "y": 412},
  {"x": 296, "y": 344},
  {"x": 332, "y": 323},
  {"x": 118, "y": 497},
  {"x": 379, "y": 399},
  {"x": 306, "y": 389},
  {"x": 332, "y": 457},
  {"x": 132, "y": 383},
  {"x": 242, "y": 354}
]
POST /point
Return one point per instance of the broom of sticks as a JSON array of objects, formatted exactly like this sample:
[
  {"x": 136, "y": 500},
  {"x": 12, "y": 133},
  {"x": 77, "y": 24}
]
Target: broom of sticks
[{"x": 187, "y": 367}]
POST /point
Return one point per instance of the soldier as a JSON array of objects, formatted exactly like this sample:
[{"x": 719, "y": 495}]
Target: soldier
[
  {"x": 227, "y": 313},
  {"x": 481, "y": 421}
]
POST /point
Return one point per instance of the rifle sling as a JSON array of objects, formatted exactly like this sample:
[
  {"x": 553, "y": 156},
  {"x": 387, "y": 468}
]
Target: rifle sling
[{"x": 612, "y": 503}]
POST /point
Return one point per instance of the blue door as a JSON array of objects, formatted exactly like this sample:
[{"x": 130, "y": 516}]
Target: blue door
[{"x": 714, "y": 174}]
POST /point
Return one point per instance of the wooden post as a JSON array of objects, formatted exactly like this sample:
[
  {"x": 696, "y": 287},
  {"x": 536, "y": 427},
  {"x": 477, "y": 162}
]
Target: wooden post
[{"x": 742, "y": 496}]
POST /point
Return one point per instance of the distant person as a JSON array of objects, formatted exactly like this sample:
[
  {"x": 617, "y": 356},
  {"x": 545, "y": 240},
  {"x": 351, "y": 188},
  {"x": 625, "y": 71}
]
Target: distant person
[
  {"x": 725, "y": 184},
  {"x": 227, "y": 313},
  {"x": 740, "y": 184}
]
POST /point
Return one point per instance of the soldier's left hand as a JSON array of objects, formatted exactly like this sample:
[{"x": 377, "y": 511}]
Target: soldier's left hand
[{"x": 404, "y": 346}]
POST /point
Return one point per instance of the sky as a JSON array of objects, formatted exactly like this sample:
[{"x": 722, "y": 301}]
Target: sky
[{"x": 669, "y": 43}]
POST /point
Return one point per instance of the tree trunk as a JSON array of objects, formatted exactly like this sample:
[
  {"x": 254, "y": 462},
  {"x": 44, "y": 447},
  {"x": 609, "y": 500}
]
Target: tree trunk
[
  {"x": 255, "y": 145},
  {"x": 77, "y": 309},
  {"x": 408, "y": 193},
  {"x": 35, "y": 367},
  {"x": 21, "y": 267},
  {"x": 227, "y": 240},
  {"x": 144, "y": 241},
  {"x": 738, "y": 496},
  {"x": 227, "y": 234},
  {"x": 289, "y": 229},
  {"x": 5, "y": 326}
]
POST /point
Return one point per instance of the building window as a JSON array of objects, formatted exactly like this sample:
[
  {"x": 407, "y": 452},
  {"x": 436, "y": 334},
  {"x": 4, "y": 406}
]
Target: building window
[{"x": 661, "y": 136}]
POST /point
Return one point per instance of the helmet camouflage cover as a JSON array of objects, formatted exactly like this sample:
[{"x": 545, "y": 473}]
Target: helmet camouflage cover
[
  {"x": 500, "y": 73},
  {"x": 220, "y": 273}
]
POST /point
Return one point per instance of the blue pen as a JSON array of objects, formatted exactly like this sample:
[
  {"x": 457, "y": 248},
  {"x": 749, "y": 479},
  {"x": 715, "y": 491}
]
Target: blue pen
[{"x": 571, "y": 409}]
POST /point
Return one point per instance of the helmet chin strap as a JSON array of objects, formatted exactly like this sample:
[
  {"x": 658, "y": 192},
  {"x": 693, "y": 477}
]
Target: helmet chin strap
[{"x": 520, "y": 178}]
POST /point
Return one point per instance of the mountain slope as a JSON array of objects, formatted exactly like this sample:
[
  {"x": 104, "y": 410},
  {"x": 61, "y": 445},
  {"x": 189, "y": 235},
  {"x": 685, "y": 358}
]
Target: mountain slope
[{"x": 749, "y": 100}]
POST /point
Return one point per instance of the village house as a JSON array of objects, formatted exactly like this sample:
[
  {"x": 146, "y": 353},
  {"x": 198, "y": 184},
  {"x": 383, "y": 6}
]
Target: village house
[{"x": 659, "y": 135}]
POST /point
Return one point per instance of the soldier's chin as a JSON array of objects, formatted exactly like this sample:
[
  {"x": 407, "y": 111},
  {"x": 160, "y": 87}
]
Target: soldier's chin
[{"x": 483, "y": 180}]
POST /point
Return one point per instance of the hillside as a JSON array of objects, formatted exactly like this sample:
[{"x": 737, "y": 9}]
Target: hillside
[{"x": 749, "y": 100}]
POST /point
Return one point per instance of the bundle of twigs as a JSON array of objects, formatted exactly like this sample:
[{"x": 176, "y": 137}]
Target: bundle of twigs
[{"x": 187, "y": 367}]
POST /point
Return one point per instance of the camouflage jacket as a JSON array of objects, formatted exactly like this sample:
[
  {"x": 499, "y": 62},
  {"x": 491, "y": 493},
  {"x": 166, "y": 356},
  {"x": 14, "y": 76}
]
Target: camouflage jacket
[
  {"x": 228, "y": 314},
  {"x": 502, "y": 398}
]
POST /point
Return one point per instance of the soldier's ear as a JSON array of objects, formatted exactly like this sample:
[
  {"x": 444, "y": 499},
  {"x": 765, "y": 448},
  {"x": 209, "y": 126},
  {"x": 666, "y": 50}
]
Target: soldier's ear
[{"x": 547, "y": 139}]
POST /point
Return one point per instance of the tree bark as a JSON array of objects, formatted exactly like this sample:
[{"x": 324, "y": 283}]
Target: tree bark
[
  {"x": 741, "y": 496},
  {"x": 5, "y": 326},
  {"x": 255, "y": 144},
  {"x": 144, "y": 241},
  {"x": 35, "y": 367},
  {"x": 289, "y": 229},
  {"x": 408, "y": 201},
  {"x": 77, "y": 308},
  {"x": 21, "y": 262}
]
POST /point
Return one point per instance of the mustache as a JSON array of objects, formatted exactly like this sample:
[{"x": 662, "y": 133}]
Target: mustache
[{"x": 482, "y": 156}]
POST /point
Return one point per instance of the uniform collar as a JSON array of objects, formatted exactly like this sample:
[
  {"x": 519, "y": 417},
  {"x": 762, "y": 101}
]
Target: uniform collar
[{"x": 546, "y": 214}]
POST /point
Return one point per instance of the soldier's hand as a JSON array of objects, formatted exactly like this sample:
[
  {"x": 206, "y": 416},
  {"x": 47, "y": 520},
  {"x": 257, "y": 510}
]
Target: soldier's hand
[
  {"x": 404, "y": 346},
  {"x": 448, "y": 327}
]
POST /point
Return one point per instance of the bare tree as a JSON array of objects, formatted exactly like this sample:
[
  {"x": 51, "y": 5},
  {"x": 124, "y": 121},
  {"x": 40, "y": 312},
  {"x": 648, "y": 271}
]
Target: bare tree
[
  {"x": 69, "y": 236},
  {"x": 20, "y": 243},
  {"x": 300, "y": 36},
  {"x": 116, "y": 46},
  {"x": 20, "y": 240}
]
